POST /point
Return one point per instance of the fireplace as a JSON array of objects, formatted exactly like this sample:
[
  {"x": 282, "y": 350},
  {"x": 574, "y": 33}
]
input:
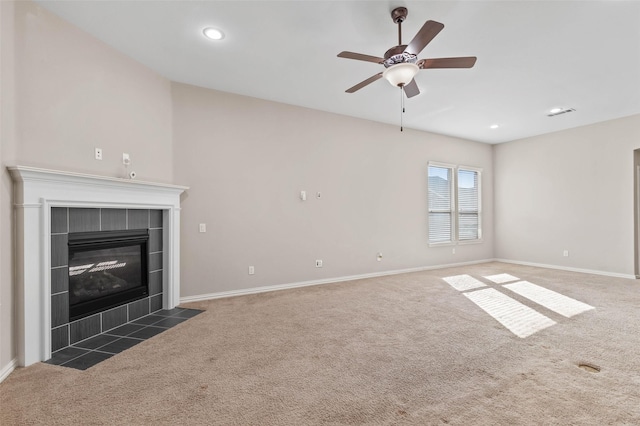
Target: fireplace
[
  {"x": 106, "y": 269},
  {"x": 51, "y": 206}
]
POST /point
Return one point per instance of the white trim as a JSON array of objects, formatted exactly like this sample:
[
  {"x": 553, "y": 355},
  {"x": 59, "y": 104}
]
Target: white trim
[
  {"x": 48, "y": 175},
  {"x": 265, "y": 289},
  {"x": 27, "y": 206},
  {"x": 443, "y": 243},
  {"x": 567, "y": 268},
  {"x": 469, "y": 242},
  {"x": 478, "y": 171},
  {"x": 452, "y": 204},
  {"x": 45, "y": 278},
  {"x": 441, "y": 165},
  {"x": 105, "y": 205},
  {"x": 8, "y": 369}
]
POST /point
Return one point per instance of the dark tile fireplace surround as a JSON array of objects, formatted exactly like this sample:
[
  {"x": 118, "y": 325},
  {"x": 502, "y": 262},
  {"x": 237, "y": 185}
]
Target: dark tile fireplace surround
[{"x": 65, "y": 221}]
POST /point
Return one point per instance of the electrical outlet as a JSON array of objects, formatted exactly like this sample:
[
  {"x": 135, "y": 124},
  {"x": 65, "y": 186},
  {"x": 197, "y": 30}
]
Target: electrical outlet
[
  {"x": 453, "y": 250},
  {"x": 252, "y": 270},
  {"x": 203, "y": 227},
  {"x": 565, "y": 253},
  {"x": 379, "y": 257},
  {"x": 126, "y": 160},
  {"x": 318, "y": 263},
  {"x": 98, "y": 153}
]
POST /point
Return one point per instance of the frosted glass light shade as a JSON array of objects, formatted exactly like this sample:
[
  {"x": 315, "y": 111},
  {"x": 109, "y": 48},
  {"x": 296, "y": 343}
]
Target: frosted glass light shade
[{"x": 401, "y": 74}]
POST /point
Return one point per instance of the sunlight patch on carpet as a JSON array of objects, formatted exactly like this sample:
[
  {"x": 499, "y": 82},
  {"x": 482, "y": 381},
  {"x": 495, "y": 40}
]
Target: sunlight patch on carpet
[
  {"x": 502, "y": 278},
  {"x": 463, "y": 282},
  {"x": 521, "y": 320},
  {"x": 556, "y": 302}
]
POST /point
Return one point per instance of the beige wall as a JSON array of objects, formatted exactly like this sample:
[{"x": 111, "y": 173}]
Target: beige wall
[
  {"x": 570, "y": 190},
  {"x": 246, "y": 161},
  {"x": 76, "y": 93},
  {"x": 64, "y": 93},
  {"x": 7, "y": 156}
]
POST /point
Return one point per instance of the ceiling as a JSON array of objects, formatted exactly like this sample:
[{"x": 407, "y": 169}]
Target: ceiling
[{"x": 532, "y": 56}]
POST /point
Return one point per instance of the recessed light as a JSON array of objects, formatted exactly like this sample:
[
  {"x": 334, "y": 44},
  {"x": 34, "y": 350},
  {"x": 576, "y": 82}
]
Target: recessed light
[
  {"x": 557, "y": 111},
  {"x": 213, "y": 33},
  {"x": 494, "y": 126}
]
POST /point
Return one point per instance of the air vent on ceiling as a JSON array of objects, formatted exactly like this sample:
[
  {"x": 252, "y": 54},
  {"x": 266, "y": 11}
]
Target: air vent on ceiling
[{"x": 564, "y": 111}]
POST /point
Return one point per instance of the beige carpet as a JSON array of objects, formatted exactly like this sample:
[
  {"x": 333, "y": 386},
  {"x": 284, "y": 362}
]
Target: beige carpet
[{"x": 404, "y": 349}]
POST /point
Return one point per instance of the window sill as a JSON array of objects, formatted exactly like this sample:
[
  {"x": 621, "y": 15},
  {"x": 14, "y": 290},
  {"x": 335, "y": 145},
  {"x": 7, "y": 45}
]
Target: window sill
[
  {"x": 469, "y": 242},
  {"x": 443, "y": 244},
  {"x": 456, "y": 243}
]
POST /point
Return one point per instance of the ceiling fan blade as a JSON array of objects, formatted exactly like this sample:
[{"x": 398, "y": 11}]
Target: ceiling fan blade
[
  {"x": 364, "y": 83},
  {"x": 411, "y": 89},
  {"x": 360, "y": 57},
  {"x": 461, "y": 62},
  {"x": 429, "y": 30}
]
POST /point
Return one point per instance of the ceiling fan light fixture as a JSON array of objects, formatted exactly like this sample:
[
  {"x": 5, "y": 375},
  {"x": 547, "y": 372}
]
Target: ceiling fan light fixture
[{"x": 401, "y": 74}]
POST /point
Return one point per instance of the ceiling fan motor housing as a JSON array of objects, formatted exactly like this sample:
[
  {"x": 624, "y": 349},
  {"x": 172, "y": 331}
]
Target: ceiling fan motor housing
[{"x": 397, "y": 55}]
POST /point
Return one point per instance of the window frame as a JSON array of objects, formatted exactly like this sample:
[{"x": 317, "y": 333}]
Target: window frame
[
  {"x": 452, "y": 207},
  {"x": 455, "y": 211},
  {"x": 478, "y": 172}
]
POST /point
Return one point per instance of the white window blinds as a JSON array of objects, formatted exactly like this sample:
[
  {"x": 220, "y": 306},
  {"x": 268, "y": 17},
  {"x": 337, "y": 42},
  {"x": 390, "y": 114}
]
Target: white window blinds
[
  {"x": 468, "y": 205},
  {"x": 440, "y": 187}
]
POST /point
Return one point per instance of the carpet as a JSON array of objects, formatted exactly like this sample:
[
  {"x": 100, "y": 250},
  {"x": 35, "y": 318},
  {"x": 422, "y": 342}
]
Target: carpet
[{"x": 401, "y": 349}]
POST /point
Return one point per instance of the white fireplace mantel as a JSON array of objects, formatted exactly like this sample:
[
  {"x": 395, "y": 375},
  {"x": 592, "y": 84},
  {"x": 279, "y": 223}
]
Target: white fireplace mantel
[{"x": 36, "y": 191}]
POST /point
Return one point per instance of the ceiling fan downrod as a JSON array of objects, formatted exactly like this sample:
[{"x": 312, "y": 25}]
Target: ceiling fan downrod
[{"x": 398, "y": 15}]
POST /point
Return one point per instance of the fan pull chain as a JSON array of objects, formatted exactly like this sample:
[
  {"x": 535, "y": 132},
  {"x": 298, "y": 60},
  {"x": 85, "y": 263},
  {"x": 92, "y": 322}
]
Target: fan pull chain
[{"x": 401, "y": 109}]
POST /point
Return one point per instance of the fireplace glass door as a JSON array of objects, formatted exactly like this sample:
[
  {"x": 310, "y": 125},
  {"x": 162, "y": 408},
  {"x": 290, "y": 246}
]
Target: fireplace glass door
[{"x": 106, "y": 269}]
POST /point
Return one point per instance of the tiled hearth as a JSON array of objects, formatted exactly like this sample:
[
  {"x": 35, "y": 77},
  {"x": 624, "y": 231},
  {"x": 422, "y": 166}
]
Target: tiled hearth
[{"x": 89, "y": 352}]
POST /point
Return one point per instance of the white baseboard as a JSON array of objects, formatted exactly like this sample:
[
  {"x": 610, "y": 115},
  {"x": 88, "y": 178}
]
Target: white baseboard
[
  {"x": 8, "y": 369},
  {"x": 567, "y": 268},
  {"x": 264, "y": 289}
]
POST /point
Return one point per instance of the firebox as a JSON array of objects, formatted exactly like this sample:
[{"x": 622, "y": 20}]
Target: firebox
[{"x": 106, "y": 269}]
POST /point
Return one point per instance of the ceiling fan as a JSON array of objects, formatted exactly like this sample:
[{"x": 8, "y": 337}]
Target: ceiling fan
[{"x": 402, "y": 63}]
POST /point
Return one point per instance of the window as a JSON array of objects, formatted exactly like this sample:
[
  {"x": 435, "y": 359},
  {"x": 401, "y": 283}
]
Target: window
[
  {"x": 440, "y": 187},
  {"x": 468, "y": 204},
  {"x": 454, "y": 204}
]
